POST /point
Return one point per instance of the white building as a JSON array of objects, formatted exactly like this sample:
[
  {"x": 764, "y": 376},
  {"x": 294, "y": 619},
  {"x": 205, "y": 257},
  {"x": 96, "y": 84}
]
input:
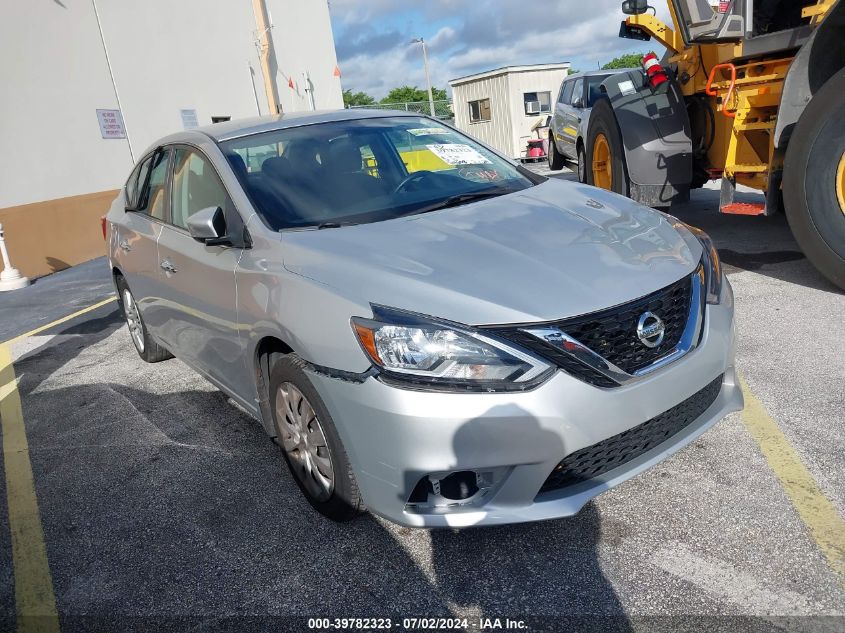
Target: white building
[
  {"x": 158, "y": 65},
  {"x": 500, "y": 107}
]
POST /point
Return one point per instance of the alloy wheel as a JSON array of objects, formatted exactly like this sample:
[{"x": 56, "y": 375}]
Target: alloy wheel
[{"x": 133, "y": 320}]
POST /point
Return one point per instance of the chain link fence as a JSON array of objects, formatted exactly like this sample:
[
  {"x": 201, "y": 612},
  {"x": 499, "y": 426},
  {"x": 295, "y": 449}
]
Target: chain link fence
[{"x": 442, "y": 109}]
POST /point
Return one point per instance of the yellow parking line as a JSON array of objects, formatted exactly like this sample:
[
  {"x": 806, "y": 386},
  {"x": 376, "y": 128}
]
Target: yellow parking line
[
  {"x": 38, "y": 330},
  {"x": 826, "y": 526},
  {"x": 34, "y": 598}
]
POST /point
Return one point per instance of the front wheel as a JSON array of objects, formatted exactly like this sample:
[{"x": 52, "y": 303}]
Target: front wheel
[
  {"x": 605, "y": 154},
  {"x": 310, "y": 442},
  {"x": 814, "y": 180},
  {"x": 555, "y": 158}
]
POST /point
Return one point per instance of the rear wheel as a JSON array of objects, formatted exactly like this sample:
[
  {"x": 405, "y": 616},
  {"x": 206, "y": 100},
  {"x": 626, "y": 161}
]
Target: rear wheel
[
  {"x": 605, "y": 155},
  {"x": 555, "y": 158},
  {"x": 310, "y": 443},
  {"x": 814, "y": 180},
  {"x": 145, "y": 345}
]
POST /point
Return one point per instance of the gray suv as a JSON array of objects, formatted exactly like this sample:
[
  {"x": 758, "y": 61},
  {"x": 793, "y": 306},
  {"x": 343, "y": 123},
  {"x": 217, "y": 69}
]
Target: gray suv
[
  {"x": 571, "y": 118},
  {"x": 425, "y": 328}
]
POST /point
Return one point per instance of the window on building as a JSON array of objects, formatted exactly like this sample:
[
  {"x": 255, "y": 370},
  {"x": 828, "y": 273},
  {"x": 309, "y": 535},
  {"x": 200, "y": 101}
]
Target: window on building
[
  {"x": 537, "y": 102},
  {"x": 151, "y": 198},
  {"x": 195, "y": 186},
  {"x": 479, "y": 110}
]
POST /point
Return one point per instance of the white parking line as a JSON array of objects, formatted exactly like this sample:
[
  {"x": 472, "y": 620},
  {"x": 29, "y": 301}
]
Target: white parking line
[{"x": 725, "y": 582}]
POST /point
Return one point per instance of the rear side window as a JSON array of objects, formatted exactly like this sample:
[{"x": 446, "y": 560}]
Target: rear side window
[
  {"x": 195, "y": 187},
  {"x": 594, "y": 89},
  {"x": 136, "y": 182},
  {"x": 152, "y": 196},
  {"x": 577, "y": 90},
  {"x": 566, "y": 92}
]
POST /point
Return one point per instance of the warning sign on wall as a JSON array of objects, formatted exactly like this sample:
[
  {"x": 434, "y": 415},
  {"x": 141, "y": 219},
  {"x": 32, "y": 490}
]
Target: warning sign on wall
[{"x": 111, "y": 124}]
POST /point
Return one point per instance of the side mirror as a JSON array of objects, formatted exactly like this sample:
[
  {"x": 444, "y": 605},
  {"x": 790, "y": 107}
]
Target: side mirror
[
  {"x": 208, "y": 225},
  {"x": 634, "y": 7},
  {"x": 578, "y": 102}
]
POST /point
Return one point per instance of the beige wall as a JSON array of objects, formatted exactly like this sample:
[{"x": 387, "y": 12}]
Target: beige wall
[
  {"x": 165, "y": 56},
  {"x": 496, "y": 131},
  {"x": 518, "y": 85},
  {"x": 48, "y": 236}
]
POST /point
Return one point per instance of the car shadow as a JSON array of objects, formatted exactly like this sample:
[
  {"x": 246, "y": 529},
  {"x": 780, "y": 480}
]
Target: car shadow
[
  {"x": 529, "y": 570},
  {"x": 163, "y": 503}
]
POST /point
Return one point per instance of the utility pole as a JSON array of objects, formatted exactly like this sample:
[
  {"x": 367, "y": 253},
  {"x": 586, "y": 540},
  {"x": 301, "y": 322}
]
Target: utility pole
[
  {"x": 420, "y": 40},
  {"x": 264, "y": 44}
]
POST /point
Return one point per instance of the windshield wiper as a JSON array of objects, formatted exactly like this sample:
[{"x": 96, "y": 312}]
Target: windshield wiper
[{"x": 461, "y": 198}]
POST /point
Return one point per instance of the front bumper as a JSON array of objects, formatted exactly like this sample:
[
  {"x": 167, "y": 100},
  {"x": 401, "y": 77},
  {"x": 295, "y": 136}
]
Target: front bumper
[{"x": 395, "y": 437}]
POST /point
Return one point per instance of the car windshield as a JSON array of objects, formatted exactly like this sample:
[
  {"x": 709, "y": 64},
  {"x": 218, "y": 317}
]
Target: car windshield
[
  {"x": 593, "y": 92},
  {"x": 366, "y": 170}
]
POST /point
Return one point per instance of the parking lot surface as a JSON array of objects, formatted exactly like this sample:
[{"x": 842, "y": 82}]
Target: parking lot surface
[{"x": 164, "y": 504}]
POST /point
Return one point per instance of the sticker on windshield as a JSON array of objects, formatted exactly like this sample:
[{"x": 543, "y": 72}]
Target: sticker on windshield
[
  {"x": 479, "y": 174},
  {"x": 429, "y": 131},
  {"x": 457, "y": 154}
]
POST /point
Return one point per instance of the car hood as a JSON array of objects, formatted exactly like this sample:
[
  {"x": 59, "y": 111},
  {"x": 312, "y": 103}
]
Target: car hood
[{"x": 555, "y": 250}]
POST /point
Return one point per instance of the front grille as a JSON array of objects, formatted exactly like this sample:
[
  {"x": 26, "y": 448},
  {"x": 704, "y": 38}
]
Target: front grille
[
  {"x": 612, "y": 333},
  {"x": 592, "y": 461}
]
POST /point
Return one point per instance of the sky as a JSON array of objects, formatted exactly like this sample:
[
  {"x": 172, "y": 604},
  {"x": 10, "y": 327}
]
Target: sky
[{"x": 468, "y": 36}]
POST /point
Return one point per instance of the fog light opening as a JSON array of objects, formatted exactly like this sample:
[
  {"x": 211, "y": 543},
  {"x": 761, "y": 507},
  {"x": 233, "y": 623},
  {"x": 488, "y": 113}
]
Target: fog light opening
[{"x": 459, "y": 486}]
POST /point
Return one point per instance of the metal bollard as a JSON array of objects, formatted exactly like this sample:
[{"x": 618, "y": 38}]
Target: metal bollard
[{"x": 10, "y": 278}]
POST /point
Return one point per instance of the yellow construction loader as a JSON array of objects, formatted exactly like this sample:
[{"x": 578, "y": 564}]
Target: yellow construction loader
[{"x": 752, "y": 92}]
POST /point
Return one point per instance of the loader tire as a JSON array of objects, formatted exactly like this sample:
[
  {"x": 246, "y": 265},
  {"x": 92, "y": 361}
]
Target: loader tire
[
  {"x": 814, "y": 180},
  {"x": 606, "y": 166}
]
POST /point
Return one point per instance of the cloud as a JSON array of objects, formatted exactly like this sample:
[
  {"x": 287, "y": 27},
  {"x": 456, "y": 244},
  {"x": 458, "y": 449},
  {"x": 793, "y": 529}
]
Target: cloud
[{"x": 466, "y": 36}]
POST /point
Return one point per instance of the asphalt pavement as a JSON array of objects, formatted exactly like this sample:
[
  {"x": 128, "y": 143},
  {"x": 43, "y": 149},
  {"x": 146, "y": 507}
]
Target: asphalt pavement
[{"x": 164, "y": 505}]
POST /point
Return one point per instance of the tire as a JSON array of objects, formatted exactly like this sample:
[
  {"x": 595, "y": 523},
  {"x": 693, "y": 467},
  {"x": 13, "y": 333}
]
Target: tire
[
  {"x": 582, "y": 165},
  {"x": 603, "y": 125},
  {"x": 341, "y": 501},
  {"x": 814, "y": 166},
  {"x": 145, "y": 345},
  {"x": 555, "y": 158}
]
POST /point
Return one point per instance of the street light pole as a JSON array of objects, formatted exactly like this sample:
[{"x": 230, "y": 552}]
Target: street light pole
[{"x": 420, "y": 40}]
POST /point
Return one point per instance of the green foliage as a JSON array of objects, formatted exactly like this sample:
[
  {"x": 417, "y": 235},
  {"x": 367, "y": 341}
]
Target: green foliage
[
  {"x": 630, "y": 60},
  {"x": 405, "y": 94},
  {"x": 356, "y": 99},
  {"x": 574, "y": 71}
]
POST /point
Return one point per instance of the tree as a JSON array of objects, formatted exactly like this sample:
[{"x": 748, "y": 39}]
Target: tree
[
  {"x": 356, "y": 99},
  {"x": 629, "y": 60},
  {"x": 406, "y": 94}
]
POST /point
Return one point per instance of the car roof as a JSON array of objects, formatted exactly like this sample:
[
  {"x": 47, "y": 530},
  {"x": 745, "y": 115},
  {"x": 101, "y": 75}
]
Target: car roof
[
  {"x": 255, "y": 125},
  {"x": 605, "y": 73}
]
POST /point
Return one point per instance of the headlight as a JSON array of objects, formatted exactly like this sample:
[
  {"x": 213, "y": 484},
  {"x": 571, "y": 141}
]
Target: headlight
[
  {"x": 710, "y": 261},
  {"x": 441, "y": 355}
]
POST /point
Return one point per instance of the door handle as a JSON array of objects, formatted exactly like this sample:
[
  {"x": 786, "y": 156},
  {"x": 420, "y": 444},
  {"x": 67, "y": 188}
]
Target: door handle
[
  {"x": 167, "y": 267},
  {"x": 124, "y": 246}
]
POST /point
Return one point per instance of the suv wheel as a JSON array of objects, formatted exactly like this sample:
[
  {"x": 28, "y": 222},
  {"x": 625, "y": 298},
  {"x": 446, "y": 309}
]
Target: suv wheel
[
  {"x": 555, "y": 158},
  {"x": 582, "y": 165}
]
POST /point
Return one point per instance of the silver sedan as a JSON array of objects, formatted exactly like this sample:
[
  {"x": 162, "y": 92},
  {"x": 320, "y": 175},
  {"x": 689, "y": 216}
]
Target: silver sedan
[{"x": 425, "y": 328}]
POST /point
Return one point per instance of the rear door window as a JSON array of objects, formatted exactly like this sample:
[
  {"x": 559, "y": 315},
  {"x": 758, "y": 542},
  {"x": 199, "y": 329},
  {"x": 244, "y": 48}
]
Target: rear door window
[
  {"x": 151, "y": 200},
  {"x": 566, "y": 92},
  {"x": 136, "y": 182},
  {"x": 577, "y": 91}
]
